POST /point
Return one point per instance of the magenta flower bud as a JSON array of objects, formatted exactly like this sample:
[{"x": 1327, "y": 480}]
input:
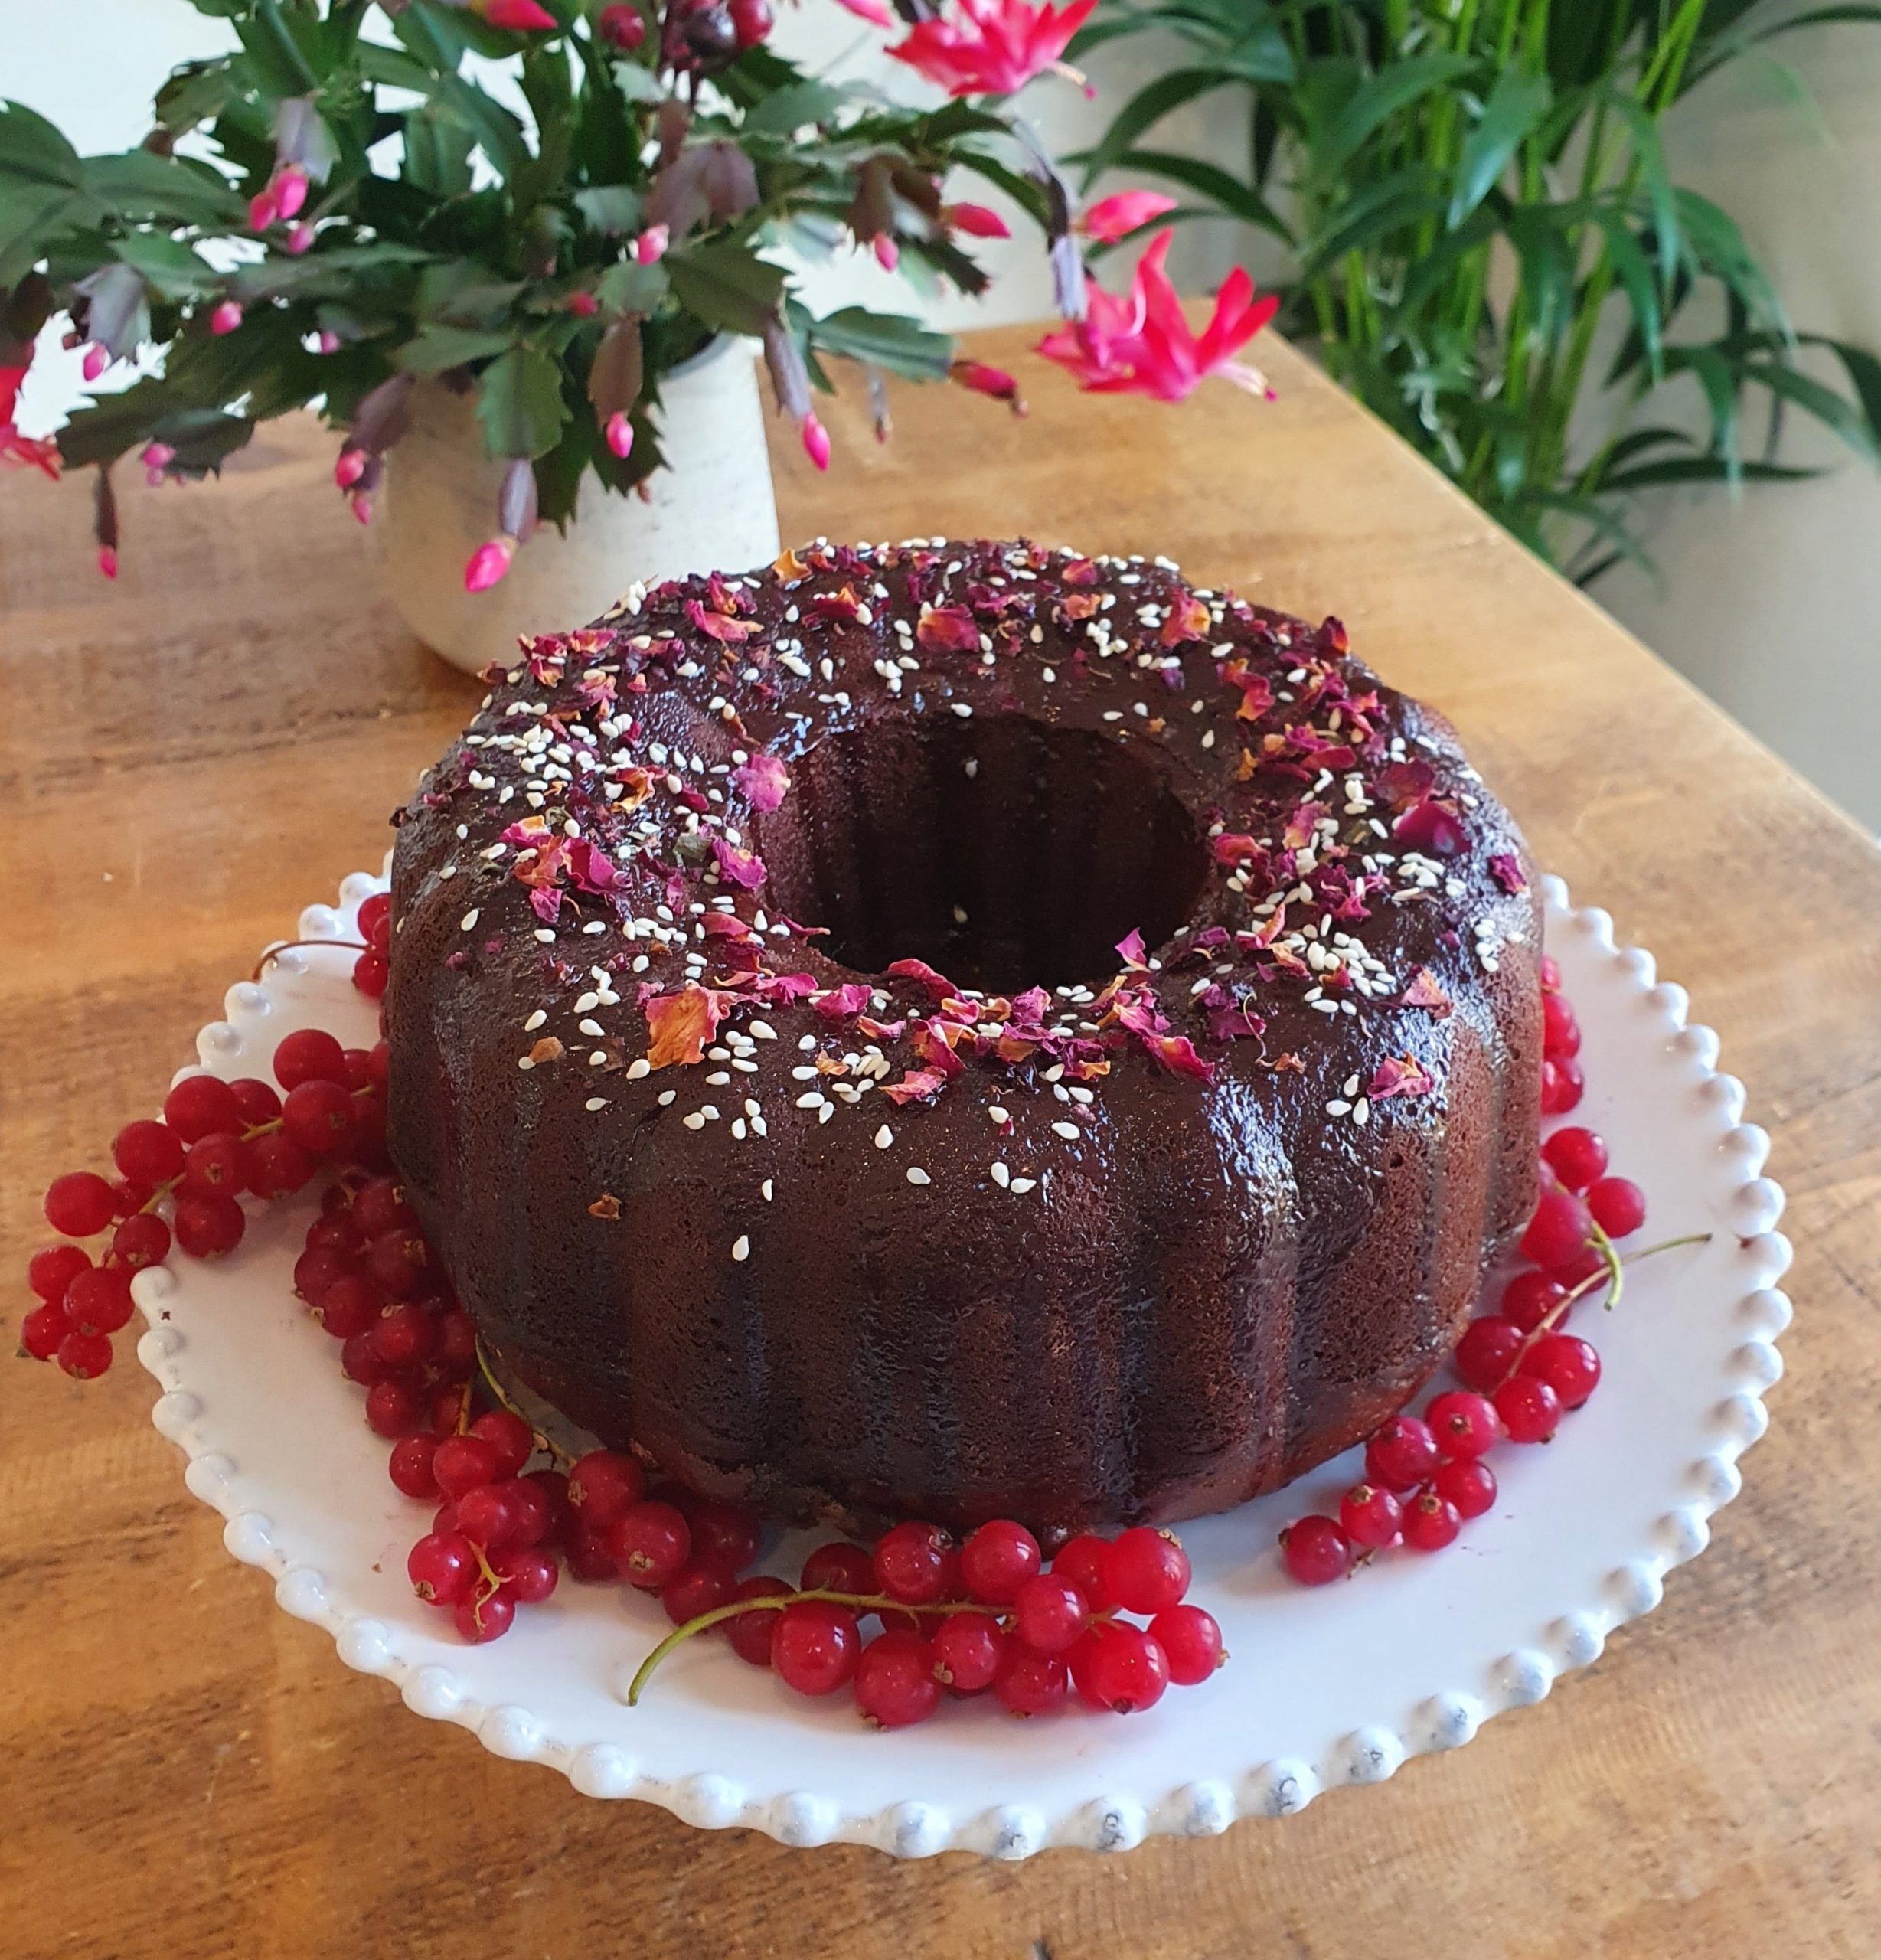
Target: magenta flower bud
[
  {"x": 263, "y": 212},
  {"x": 650, "y": 247},
  {"x": 299, "y": 236},
  {"x": 620, "y": 435},
  {"x": 815, "y": 441},
  {"x": 362, "y": 509},
  {"x": 329, "y": 341},
  {"x": 887, "y": 253},
  {"x": 489, "y": 564},
  {"x": 158, "y": 455},
  {"x": 583, "y": 306},
  {"x": 96, "y": 361},
  {"x": 108, "y": 560},
  {"x": 350, "y": 467},
  {"x": 290, "y": 189},
  {"x": 975, "y": 220},
  {"x": 226, "y": 317}
]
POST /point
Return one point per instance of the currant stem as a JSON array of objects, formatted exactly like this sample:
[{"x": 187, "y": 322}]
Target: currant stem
[
  {"x": 495, "y": 1387},
  {"x": 273, "y": 953},
  {"x": 771, "y": 1603},
  {"x": 1612, "y": 1275}
]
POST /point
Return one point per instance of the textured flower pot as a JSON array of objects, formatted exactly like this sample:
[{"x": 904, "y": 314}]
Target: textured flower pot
[{"x": 711, "y": 508}]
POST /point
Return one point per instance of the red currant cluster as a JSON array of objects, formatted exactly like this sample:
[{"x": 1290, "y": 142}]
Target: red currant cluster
[
  {"x": 215, "y": 1141},
  {"x": 1426, "y": 1476},
  {"x": 963, "y": 1619}
]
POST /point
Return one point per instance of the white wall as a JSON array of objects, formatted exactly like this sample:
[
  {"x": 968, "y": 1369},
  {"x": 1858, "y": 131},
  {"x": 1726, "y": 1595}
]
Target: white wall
[{"x": 1772, "y": 604}]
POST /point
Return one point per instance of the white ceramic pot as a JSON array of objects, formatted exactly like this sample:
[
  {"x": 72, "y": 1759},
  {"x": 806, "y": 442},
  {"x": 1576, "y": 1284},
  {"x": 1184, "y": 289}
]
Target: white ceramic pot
[{"x": 711, "y": 508}]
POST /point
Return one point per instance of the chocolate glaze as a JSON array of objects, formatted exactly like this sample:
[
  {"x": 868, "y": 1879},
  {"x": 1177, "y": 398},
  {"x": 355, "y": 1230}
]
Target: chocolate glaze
[{"x": 1212, "y": 1284}]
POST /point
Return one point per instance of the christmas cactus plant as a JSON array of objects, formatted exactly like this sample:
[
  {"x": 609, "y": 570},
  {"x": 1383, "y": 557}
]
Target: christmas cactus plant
[{"x": 339, "y": 211}]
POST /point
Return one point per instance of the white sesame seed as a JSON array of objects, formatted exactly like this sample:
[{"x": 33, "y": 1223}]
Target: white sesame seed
[
  {"x": 1022, "y": 1185},
  {"x": 1070, "y": 1131},
  {"x": 766, "y": 1189},
  {"x": 764, "y": 1030},
  {"x": 470, "y": 920},
  {"x": 534, "y": 1021},
  {"x": 884, "y": 1137},
  {"x": 997, "y": 1114},
  {"x": 1001, "y": 1176},
  {"x": 917, "y": 1176},
  {"x": 666, "y": 1098},
  {"x": 638, "y": 1068},
  {"x": 1361, "y": 1112},
  {"x": 827, "y": 1111},
  {"x": 741, "y": 1249},
  {"x": 811, "y": 1101},
  {"x": 595, "y": 1103},
  {"x": 524, "y": 1062}
]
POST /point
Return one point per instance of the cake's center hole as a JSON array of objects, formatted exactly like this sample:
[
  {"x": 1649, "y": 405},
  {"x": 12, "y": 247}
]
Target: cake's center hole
[{"x": 1006, "y": 853}]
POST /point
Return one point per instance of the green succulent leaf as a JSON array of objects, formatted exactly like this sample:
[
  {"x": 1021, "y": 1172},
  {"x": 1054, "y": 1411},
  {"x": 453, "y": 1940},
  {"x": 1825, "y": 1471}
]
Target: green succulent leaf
[{"x": 519, "y": 403}]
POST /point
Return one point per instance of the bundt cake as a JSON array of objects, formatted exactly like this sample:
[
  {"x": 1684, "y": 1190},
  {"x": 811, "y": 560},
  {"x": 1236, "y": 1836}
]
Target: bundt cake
[{"x": 962, "y": 1031}]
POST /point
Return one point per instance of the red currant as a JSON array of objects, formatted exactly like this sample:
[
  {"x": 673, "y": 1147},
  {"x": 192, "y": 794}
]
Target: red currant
[
  {"x": 1562, "y": 1085},
  {"x": 696, "y": 1589},
  {"x": 43, "y": 1330},
  {"x": 1030, "y": 1683},
  {"x": 1560, "y": 1032},
  {"x": 1371, "y": 1517},
  {"x": 53, "y": 1267},
  {"x": 1083, "y": 1560},
  {"x": 1530, "y": 1409},
  {"x": 838, "y": 1567},
  {"x": 1550, "y": 974},
  {"x": 216, "y": 1165},
  {"x": 1049, "y": 1613},
  {"x": 403, "y": 1335},
  {"x": 1469, "y": 1484},
  {"x": 558, "y": 1514},
  {"x": 371, "y": 973},
  {"x": 99, "y": 1301},
  {"x": 359, "y": 1362},
  {"x": 319, "y": 1116},
  {"x": 1464, "y": 1424},
  {"x": 79, "y": 1203},
  {"x": 1146, "y": 1569},
  {"x": 622, "y": 26},
  {"x": 752, "y": 22},
  {"x": 751, "y": 1634},
  {"x": 589, "y": 1558},
  {"x": 1119, "y": 1667},
  {"x": 603, "y": 1484},
  {"x": 1316, "y": 1552},
  {"x": 375, "y": 910},
  {"x": 815, "y": 1646},
  {"x": 442, "y": 1567},
  {"x": 200, "y": 1104},
  {"x": 399, "y": 1261},
  {"x": 277, "y": 1165},
  {"x": 969, "y": 1648},
  {"x": 455, "y": 1353},
  {"x": 1583, "y": 1266},
  {"x": 484, "y": 1513},
  {"x": 309, "y": 1054},
  {"x": 150, "y": 1151},
  {"x": 1560, "y": 1227},
  {"x": 348, "y": 1305},
  {"x": 1486, "y": 1352},
  {"x": 207, "y": 1227},
  {"x": 1576, "y": 1155},
  {"x": 379, "y": 1206},
  {"x": 1191, "y": 1640},
  {"x": 1618, "y": 1206},
  {"x": 462, "y": 1463},
  {"x": 917, "y": 1564},
  {"x": 895, "y": 1683},
  {"x": 411, "y": 1470},
  {"x": 1529, "y": 1298},
  {"x": 650, "y": 1542},
  {"x": 997, "y": 1559},
  {"x": 1567, "y": 1363},
  {"x": 85, "y": 1356},
  {"x": 393, "y": 1407},
  {"x": 532, "y": 1515},
  {"x": 1431, "y": 1522},
  {"x": 723, "y": 1534},
  {"x": 1401, "y": 1454},
  {"x": 509, "y": 1435},
  {"x": 255, "y": 1100},
  {"x": 528, "y": 1576},
  {"x": 485, "y": 1614}
]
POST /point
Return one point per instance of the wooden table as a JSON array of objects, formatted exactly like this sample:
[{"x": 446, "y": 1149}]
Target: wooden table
[{"x": 192, "y": 755}]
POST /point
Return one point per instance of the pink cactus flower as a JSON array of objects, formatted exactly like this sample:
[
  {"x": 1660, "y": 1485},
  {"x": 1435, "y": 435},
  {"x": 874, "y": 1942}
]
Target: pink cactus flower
[
  {"x": 975, "y": 220},
  {"x": 299, "y": 236},
  {"x": 290, "y": 189},
  {"x": 489, "y": 564},
  {"x": 1143, "y": 345},
  {"x": 874, "y": 11},
  {"x": 518, "y": 16},
  {"x": 815, "y": 440},
  {"x": 328, "y": 341},
  {"x": 97, "y": 359},
  {"x": 995, "y": 47},
  {"x": 263, "y": 212},
  {"x": 350, "y": 468},
  {"x": 1112, "y": 218},
  {"x": 226, "y": 317},
  {"x": 650, "y": 247}
]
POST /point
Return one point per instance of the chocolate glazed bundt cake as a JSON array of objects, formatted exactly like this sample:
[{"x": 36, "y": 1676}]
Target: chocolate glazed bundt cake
[{"x": 963, "y": 1030}]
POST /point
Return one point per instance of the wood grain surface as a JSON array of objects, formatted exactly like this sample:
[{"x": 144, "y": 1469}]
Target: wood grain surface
[{"x": 188, "y": 757}]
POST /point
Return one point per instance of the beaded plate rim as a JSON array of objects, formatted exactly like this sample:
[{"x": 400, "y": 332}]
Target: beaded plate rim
[{"x": 1105, "y": 1819}]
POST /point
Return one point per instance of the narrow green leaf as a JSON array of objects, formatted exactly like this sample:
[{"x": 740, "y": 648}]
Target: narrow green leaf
[
  {"x": 432, "y": 349},
  {"x": 519, "y": 403},
  {"x": 1636, "y": 280},
  {"x": 1649, "y": 154},
  {"x": 1207, "y": 180},
  {"x": 892, "y": 341},
  {"x": 1376, "y": 99},
  {"x": 1142, "y": 112},
  {"x": 1516, "y": 106},
  {"x": 1847, "y": 419},
  {"x": 1705, "y": 469}
]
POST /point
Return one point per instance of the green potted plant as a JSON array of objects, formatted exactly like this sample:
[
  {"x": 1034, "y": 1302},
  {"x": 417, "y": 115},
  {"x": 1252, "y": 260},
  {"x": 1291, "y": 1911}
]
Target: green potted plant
[
  {"x": 1470, "y": 190},
  {"x": 508, "y": 317}
]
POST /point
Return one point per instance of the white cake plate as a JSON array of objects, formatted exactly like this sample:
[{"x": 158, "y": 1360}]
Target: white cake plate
[{"x": 1338, "y": 1684}]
